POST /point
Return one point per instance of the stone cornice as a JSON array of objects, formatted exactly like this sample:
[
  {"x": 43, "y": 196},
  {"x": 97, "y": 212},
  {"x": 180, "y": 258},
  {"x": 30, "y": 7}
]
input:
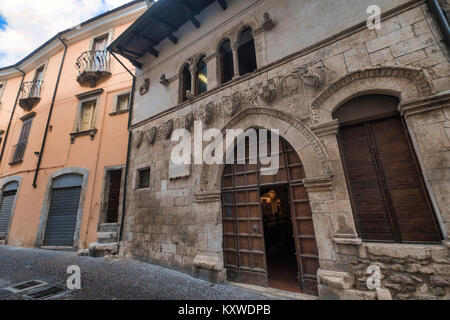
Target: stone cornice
[
  {"x": 421, "y": 105},
  {"x": 326, "y": 128}
]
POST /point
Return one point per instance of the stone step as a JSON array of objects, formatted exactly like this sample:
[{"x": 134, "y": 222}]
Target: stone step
[
  {"x": 103, "y": 249},
  {"x": 109, "y": 227},
  {"x": 106, "y": 237}
]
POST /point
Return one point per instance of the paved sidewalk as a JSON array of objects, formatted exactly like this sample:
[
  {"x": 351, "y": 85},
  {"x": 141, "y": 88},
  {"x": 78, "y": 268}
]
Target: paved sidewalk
[{"x": 108, "y": 279}]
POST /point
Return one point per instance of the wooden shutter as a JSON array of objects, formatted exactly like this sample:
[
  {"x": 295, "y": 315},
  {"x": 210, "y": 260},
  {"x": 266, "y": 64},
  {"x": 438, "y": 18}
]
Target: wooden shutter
[
  {"x": 388, "y": 195},
  {"x": 19, "y": 149},
  {"x": 87, "y": 115}
]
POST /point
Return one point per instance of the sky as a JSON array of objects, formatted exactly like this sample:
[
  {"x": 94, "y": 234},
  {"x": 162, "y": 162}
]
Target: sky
[{"x": 27, "y": 24}]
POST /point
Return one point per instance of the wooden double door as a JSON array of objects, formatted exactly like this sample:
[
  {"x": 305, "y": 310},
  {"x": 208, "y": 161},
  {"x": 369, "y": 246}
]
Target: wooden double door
[{"x": 243, "y": 232}]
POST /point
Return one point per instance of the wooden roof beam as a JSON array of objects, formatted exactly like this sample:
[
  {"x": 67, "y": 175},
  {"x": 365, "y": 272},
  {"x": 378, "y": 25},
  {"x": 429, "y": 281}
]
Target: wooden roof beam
[
  {"x": 150, "y": 45},
  {"x": 133, "y": 61},
  {"x": 169, "y": 30},
  {"x": 223, "y": 4},
  {"x": 191, "y": 11}
]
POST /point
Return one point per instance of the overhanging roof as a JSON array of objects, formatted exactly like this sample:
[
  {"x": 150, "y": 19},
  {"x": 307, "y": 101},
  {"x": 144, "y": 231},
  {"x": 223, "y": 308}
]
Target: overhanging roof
[{"x": 159, "y": 22}]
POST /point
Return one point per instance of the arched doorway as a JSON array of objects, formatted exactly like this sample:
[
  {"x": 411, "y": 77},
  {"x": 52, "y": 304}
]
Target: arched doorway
[
  {"x": 268, "y": 232},
  {"x": 387, "y": 191}
]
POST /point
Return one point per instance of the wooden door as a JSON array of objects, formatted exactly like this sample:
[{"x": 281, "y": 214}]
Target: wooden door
[
  {"x": 112, "y": 213},
  {"x": 389, "y": 199},
  {"x": 302, "y": 222},
  {"x": 243, "y": 232}
]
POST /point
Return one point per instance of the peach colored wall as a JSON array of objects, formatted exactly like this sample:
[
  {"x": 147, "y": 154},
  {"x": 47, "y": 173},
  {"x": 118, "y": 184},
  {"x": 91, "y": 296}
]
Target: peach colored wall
[{"x": 107, "y": 149}]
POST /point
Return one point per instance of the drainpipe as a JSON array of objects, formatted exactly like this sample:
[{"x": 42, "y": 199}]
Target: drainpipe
[
  {"x": 441, "y": 19},
  {"x": 12, "y": 113},
  {"x": 41, "y": 152},
  {"x": 130, "y": 138}
]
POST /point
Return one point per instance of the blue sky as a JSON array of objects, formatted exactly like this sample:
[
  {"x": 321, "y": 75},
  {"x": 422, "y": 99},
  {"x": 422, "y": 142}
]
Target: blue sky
[{"x": 27, "y": 24}]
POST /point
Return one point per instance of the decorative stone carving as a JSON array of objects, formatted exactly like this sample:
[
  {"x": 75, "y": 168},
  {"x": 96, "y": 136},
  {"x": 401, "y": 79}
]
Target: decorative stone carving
[
  {"x": 232, "y": 103},
  {"x": 318, "y": 184},
  {"x": 138, "y": 138},
  {"x": 290, "y": 85},
  {"x": 267, "y": 91},
  {"x": 208, "y": 113},
  {"x": 326, "y": 129},
  {"x": 150, "y": 135},
  {"x": 314, "y": 77},
  {"x": 166, "y": 129},
  {"x": 189, "y": 95},
  {"x": 187, "y": 121},
  {"x": 163, "y": 80},
  {"x": 145, "y": 87},
  {"x": 268, "y": 23}
]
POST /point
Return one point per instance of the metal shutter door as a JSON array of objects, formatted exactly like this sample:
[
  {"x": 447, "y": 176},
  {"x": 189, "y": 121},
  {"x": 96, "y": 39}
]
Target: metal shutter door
[
  {"x": 62, "y": 217},
  {"x": 5, "y": 211}
]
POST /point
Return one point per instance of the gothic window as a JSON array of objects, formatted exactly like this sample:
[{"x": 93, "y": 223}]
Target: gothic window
[
  {"x": 185, "y": 81},
  {"x": 201, "y": 76},
  {"x": 246, "y": 52},
  {"x": 226, "y": 62}
]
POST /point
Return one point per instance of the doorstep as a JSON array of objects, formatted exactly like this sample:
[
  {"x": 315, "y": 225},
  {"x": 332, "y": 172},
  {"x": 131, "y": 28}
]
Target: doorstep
[{"x": 274, "y": 293}]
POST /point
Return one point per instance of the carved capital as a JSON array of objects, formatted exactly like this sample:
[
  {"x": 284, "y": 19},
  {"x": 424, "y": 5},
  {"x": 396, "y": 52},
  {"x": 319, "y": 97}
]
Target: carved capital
[
  {"x": 207, "y": 196},
  {"x": 318, "y": 184},
  {"x": 421, "y": 105},
  {"x": 326, "y": 128}
]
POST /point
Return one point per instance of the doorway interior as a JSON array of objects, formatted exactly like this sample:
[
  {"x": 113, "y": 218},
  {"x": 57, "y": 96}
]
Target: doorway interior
[{"x": 282, "y": 268}]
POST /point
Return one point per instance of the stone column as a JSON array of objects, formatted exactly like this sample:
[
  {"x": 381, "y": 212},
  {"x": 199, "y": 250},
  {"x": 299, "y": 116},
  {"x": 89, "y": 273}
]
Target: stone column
[
  {"x": 193, "y": 70},
  {"x": 211, "y": 62},
  {"x": 260, "y": 47},
  {"x": 234, "y": 48}
]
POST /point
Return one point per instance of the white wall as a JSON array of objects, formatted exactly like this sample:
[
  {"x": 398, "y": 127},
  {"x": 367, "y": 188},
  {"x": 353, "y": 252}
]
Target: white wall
[{"x": 299, "y": 24}]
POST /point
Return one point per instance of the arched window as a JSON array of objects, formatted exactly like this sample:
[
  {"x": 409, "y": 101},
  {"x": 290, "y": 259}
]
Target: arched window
[
  {"x": 389, "y": 199},
  {"x": 246, "y": 52},
  {"x": 201, "y": 76},
  {"x": 185, "y": 83},
  {"x": 226, "y": 62}
]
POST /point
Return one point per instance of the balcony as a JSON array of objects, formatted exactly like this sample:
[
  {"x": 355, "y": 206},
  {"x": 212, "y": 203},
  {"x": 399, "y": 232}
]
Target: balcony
[
  {"x": 93, "y": 66},
  {"x": 17, "y": 153},
  {"x": 30, "y": 94}
]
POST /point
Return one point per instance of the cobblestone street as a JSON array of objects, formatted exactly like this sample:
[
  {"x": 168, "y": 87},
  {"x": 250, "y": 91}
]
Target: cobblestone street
[{"x": 108, "y": 279}]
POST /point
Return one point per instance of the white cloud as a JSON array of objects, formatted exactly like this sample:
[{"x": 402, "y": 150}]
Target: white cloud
[{"x": 30, "y": 23}]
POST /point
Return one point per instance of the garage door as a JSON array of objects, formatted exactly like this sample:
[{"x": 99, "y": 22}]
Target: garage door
[
  {"x": 63, "y": 212},
  {"x": 6, "y": 211}
]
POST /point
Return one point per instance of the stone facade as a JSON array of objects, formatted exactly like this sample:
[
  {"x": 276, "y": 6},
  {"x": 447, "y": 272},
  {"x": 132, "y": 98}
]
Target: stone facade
[{"x": 177, "y": 222}]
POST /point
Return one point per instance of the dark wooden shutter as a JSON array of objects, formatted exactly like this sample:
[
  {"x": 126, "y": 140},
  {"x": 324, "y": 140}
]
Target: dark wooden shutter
[
  {"x": 62, "y": 217},
  {"x": 19, "y": 149},
  {"x": 113, "y": 196},
  {"x": 388, "y": 196},
  {"x": 6, "y": 211}
]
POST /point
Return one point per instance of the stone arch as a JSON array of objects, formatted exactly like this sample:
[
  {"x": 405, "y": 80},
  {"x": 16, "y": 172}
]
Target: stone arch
[
  {"x": 404, "y": 83},
  {"x": 247, "y": 24},
  {"x": 47, "y": 197},
  {"x": 310, "y": 149}
]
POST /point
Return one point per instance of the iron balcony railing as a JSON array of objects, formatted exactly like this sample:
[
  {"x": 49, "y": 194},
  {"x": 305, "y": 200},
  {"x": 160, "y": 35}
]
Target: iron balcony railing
[
  {"x": 93, "y": 61},
  {"x": 18, "y": 152},
  {"x": 31, "y": 89}
]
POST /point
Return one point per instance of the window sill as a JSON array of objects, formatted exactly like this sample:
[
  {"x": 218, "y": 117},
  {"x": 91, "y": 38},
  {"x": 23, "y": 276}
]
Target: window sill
[
  {"x": 12, "y": 163},
  {"x": 90, "y": 133},
  {"x": 115, "y": 113}
]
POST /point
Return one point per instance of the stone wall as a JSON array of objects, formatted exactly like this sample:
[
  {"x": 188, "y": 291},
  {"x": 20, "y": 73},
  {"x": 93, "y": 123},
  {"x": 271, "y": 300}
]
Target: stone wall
[
  {"x": 177, "y": 221},
  {"x": 414, "y": 272}
]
